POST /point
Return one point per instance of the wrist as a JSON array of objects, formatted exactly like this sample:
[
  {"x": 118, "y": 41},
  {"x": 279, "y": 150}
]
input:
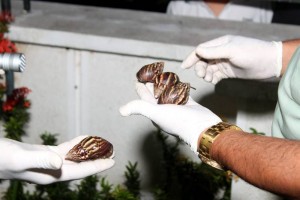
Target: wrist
[
  {"x": 278, "y": 65},
  {"x": 207, "y": 139}
]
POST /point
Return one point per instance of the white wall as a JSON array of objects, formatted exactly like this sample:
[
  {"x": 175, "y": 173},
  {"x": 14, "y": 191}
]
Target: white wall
[{"x": 78, "y": 92}]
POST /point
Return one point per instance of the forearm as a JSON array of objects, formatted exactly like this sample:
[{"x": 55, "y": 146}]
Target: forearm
[
  {"x": 269, "y": 163},
  {"x": 288, "y": 49}
]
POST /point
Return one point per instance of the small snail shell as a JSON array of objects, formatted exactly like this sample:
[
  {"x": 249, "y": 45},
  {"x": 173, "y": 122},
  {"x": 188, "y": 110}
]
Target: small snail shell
[
  {"x": 90, "y": 148},
  {"x": 163, "y": 81},
  {"x": 177, "y": 94},
  {"x": 148, "y": 72}
]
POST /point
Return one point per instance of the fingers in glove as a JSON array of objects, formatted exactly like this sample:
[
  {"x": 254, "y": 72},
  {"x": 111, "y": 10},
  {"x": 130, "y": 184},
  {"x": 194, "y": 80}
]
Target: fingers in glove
[
  {"x": 200, "y": 68},
  {"x": 215, "y": 52},
  {"x": 145, "y": 91},
  {"x": 211, "y": 69},
  {"x": 213, "y": 49},
  {"x": 64, "y": 148},
  {"x": 137, "y": 107},
  {"x": 191, "y": 59},
  {"x": 214, "y": 72},
  {"x": 68, "y": 172},
  {"x": 218, "y": 76},
  {"x": 38, "y": 159},
  {"x": 83, "y": 169}
]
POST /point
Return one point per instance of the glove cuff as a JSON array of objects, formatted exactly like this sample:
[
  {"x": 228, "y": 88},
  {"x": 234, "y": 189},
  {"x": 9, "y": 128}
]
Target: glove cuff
[
  {"x": 278, "y": 46},
  {"x": 195, "y": 137}
]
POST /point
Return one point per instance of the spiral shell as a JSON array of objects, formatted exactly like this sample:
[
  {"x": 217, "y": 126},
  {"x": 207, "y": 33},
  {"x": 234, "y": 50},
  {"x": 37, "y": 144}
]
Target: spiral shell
[
  {"x": 90, "y": 148},
  {"x": 176, "y": 94},
  {"x": 148, "y": 72},
  {"x": 163, "y": 81}
]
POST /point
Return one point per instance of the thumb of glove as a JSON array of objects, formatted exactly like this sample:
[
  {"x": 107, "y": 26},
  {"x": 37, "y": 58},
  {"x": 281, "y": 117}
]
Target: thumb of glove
[
  {"x": 41, "y": 159},
  {"x": 137, "y": 107}
]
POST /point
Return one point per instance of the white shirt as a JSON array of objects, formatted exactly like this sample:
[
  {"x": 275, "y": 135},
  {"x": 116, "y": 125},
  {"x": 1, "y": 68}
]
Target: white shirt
[{"x": 242, "y": 10}]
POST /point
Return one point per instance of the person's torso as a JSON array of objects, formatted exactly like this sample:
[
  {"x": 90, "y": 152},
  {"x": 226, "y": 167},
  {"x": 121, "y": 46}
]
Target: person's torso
[
  {"x": 255, "y": 11},
  {"x": 286, "y": 123}
]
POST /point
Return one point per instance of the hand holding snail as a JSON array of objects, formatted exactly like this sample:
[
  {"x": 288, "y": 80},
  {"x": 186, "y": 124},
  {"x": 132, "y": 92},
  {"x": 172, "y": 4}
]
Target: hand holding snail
[
  {"x": 187, "y": 121},
  {"x": 48, "y": 162}
]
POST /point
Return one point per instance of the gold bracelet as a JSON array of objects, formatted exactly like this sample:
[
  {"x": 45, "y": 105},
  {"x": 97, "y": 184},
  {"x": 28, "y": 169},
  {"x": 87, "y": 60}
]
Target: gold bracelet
[{"x": 207, "y": 139}]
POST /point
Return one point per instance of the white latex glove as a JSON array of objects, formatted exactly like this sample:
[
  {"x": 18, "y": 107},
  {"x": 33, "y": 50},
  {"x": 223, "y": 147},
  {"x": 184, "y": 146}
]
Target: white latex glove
[
  {"x": 185, "y": 121},
  {"x": 236, "y": 57},
  {"x": 43, "y": 164}
]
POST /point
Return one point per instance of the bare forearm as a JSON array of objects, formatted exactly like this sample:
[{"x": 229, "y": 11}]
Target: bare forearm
[
  {"x": 288, "y": 49},
  {"x": 269, "y": 163}
]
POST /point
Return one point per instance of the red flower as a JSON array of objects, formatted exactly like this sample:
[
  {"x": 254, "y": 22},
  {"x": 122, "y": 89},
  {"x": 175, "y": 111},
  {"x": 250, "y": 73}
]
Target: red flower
[
  {"x": 6, "y": 46},
  {"x": 6, "y": 17},
  {"x": 26, "y": 104},
  {"x": 20, "y": 93},
  {"x": 7, "y": 107},
  {"x": 18, "y": 96}
]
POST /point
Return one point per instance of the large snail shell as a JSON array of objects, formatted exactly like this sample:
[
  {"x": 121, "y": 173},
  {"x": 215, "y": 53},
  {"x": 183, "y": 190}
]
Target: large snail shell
[
  {"x": 163, "y": 81},
  {"x": 148, "y": 72},
  {"x": 177, "y": 94},
  {"x": 90, "y": 148}
]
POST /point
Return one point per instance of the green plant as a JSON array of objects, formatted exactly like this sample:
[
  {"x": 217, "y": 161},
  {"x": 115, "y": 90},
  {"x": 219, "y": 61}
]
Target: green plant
[
  {"x": 49, "y": 138},
  {"x": 60, "y": 190},
  {"x": 105, "y": 192},
  {"x": 185, "y": 179},
  {"x": 121, "y": 193},
  {"x": 15, "y": 191},
  {"x": 15, "y": 113},
  {"x": 132, "y": 179},
  {"x": 254, "y": 131},
  {"x": 87, "y": 189}
]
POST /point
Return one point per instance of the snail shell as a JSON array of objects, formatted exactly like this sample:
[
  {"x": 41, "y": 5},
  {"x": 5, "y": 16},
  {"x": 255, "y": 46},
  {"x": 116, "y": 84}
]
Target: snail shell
[
  {"x": 148, "y": 72},
  {"x": 90, "y": 148},
  {"x": 163, "y": 81},
  {"x": 177, "y": 94}
]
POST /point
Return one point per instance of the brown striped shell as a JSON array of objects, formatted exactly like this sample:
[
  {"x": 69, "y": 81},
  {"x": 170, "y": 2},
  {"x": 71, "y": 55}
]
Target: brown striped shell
[
  {"x": 177, "y": 94},
  {"x": 148, "y": 72},
  {"x": 90, "y": 148},
  {"x": 163, "y": 81}
]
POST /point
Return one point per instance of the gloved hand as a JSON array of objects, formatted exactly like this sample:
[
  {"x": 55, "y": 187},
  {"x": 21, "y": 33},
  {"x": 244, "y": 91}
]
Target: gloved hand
[
  {"x": 43, "y": 164},
  {"x": 236, "y": 57},
  {"x": 185, "y": 121}
]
